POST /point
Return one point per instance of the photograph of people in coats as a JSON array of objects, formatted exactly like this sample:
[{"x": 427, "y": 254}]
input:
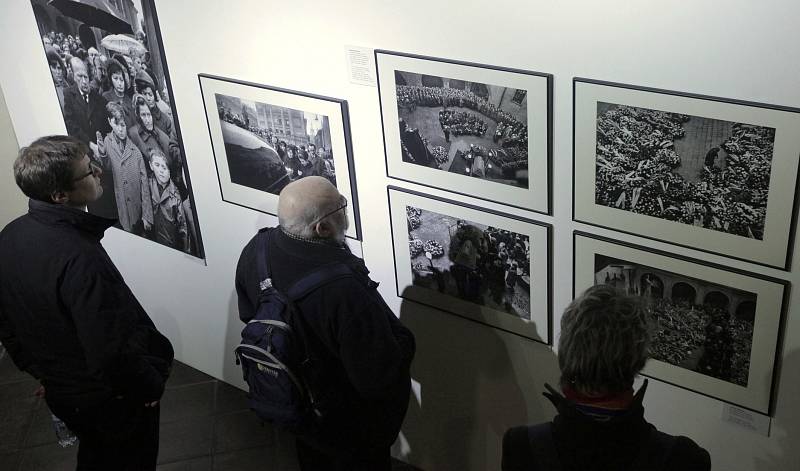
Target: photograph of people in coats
[
  {"x": 131, "y": 187},
  {"x": 91, "y": 67}
]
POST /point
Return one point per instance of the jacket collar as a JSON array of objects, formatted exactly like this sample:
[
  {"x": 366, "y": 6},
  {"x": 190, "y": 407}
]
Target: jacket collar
[
  {"x": 572, "y": 411},
  {"x": 59, "y": 214}
]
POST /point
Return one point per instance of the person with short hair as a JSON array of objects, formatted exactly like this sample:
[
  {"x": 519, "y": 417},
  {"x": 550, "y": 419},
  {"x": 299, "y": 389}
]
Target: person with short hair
[
  {"x": 148, "y": 137},
  {"x": 361, "y": 353},
  {"x": 146, "y": 87},
  {"x": 131, "y": 187},
  {"x": 119, "y": 82},
  {"x": 58, "y": 72},
  {"x": 600, "y": 424},
  {"x": 68, "y": 318},
  {"x": 169, "y": 218},
  {"x": 84, "y": 108}
]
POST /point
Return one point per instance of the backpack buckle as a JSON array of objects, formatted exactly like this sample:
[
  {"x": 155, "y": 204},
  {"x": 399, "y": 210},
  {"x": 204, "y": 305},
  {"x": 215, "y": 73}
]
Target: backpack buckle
[{"x": 265, "y": 284}]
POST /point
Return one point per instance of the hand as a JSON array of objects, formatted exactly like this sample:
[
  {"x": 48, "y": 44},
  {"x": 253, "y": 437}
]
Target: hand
[
  {"x": 151, "y": 404},
  {"x": 101, "y": 147},
  {"x": 147, "y": 225},
  {"x": 39, "y": 391}
]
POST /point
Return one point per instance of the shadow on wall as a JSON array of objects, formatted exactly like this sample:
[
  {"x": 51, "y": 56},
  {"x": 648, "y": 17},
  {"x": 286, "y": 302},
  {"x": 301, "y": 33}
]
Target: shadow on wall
[
  {"x": 786, "y": 428},
  {"x": 231, "y": 372},
  {"x": 470, "y": 393}
]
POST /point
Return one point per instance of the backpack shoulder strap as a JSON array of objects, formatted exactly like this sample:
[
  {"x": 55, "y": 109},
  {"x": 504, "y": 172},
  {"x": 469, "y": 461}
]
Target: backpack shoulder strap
[
  {"x": 543, "y": 447},
  {"x": 322, "y": 275},
  {"x": 262, "y": 257},
  {"x": 655, "y": 451}
]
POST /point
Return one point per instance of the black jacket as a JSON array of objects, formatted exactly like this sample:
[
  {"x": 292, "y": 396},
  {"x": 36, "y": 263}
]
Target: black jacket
[
  {"x": 585, "y": 444},
  {"x": 361, "y": 351},
  {"x": 84, "y": 120},
  {"x": 67, "y": 316}
]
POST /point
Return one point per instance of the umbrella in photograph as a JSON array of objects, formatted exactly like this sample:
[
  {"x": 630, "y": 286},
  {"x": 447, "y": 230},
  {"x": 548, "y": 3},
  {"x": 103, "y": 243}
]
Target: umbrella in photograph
[
  {"x": 122, "y": 44},
  {"x": 93, "y": 13}
]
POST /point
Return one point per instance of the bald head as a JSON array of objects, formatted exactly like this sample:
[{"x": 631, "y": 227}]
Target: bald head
[
  {"x": 80, "y": 74},
  {"x": 304, "y": 204}
]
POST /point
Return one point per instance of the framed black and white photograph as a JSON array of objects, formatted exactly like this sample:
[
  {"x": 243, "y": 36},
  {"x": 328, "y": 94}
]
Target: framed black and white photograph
[
  {"x": 267, "y": 137},
  {"x": 478, "y": 130},
  {"x": 478, "y": 264},
  {"x": 109, "y": 70},
  {"x": 715, "y": 331},
  {"x": 706, "y": 173}
]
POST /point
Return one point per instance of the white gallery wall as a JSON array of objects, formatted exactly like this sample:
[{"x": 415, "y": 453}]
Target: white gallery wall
[
  {"x": 13, "y": 201},
  {"x": 473, "y": 381}
]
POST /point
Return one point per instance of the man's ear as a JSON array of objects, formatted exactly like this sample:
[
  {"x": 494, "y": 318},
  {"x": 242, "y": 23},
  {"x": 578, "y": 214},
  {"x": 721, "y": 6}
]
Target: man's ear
[
  {"x": 59, "y": 197},
  {"x": 323, "y": 230}
]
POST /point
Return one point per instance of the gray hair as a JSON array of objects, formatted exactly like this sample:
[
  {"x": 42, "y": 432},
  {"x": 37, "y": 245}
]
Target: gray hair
[
  {"x": 604, "y": 341},
  {"x": 302, "y": 224}
]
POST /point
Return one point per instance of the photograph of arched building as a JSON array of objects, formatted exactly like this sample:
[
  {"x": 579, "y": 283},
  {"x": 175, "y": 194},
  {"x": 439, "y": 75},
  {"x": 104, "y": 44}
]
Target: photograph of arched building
[{"x": 698, "y": 325}]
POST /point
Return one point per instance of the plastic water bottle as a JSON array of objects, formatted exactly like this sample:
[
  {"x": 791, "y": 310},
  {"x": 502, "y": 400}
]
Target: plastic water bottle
[{"x": 65, "y": 436}]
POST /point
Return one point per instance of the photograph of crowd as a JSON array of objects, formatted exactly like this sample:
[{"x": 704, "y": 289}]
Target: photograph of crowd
[
  {"x": 473, "y": 262},
  {"x": 689, "y": 169},
  {"x": 467, "y": 128},
  {"x": 697, "y": 325},
  {"x": 268, "y": 146},
  {"x": 108, "y": 68}
]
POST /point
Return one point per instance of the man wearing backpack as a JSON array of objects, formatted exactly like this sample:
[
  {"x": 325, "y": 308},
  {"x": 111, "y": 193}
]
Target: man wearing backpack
[
  {"x": 357, "y": 353},
  {"x": 600, "y": 424}
]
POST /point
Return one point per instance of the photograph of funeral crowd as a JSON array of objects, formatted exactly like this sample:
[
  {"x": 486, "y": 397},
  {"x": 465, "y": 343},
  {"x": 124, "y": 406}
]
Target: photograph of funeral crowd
[
  {"x": 689, "y": 169},
  {"x": 698, "y": 325},
  {"x": 480, "y": 264},
  {"x": 467, "y": 128},
  {"x": 268, "y": 146},
  {"x": 108, "y": 70}
]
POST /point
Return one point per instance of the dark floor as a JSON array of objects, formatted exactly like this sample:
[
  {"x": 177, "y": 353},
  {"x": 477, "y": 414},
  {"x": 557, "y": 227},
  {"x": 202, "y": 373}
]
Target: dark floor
[{"x": 205, "y": 425}]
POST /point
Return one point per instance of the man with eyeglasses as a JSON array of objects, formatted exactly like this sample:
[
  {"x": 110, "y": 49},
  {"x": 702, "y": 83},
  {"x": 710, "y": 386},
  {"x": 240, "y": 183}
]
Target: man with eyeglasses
[
  {"x": 360, "y": 352},
  {"x": 68, "y": 318}
]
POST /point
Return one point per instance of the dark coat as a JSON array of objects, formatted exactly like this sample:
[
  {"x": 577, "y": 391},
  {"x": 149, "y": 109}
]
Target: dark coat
[
  {"x": 362, "y": 352},
  {"x": 585, "y": 444},
  {"x": 67, "y": 316},
  {"x": 83, "y": 119},
  {"x": 156, "y": 139}
]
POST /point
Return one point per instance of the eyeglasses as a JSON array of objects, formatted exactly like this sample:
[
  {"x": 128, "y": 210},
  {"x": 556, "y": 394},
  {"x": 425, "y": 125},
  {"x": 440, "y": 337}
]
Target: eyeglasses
[
  {"x": 92, "y": 171},
  {"x": 344, "y": 205}
]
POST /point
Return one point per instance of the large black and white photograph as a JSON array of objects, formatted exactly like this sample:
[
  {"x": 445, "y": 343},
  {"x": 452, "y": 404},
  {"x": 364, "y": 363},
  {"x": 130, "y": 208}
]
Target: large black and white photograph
[
  {"x": 701, "y": 326},
  {"x": 474, "y": 129},
  {"x": 468, "y": 128},
  {"x": 108, "y": 68},
  {"x": 700, "y": 171},
  {"x": 269, "y": 146},
  {"x": 266, "y": 137},
  {"x": 485, "y": 266},
  {"x": 713, "y": 330},
  {"x": 703, "y": 170}
]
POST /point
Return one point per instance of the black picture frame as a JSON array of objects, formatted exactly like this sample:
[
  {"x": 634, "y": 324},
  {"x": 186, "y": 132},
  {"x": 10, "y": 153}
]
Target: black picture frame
[
  {"x": 334, "y": 133},
  {"x": 771, "y": 242},
  {"x": 770, "y": 298},
  {"x": 535, "y": 194},
  {"x": 48, "y": 16},
  {"x": 537, "y": 327}
]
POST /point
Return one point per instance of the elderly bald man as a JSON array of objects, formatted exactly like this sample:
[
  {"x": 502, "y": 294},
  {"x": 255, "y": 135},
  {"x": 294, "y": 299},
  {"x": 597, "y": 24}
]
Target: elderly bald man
[
  {"x": 84, "y": 108},
  {"x": 360, "y": 351}
]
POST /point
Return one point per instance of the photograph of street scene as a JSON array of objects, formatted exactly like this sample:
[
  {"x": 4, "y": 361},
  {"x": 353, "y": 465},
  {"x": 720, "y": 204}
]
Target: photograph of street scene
[
  {"x": 107, "y": 65},
  {"x": 268, "y": 146},
  {"x": 467, "y": 128},
  {"x": 705, "y": 172},
  {"x": 698, "y": 325},
  {"x": 473, "y": 262}
]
